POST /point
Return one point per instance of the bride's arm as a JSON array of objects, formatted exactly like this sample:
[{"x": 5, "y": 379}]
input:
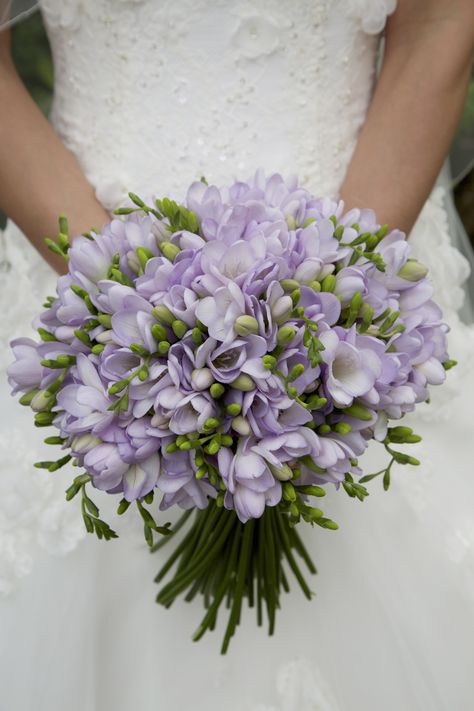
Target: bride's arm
[
  {"x": 39, "y": 177},
  {"x": 415, "y": 109}
]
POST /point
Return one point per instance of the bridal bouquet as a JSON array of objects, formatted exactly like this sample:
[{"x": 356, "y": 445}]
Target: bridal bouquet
[{"x": 235, "y": 355}]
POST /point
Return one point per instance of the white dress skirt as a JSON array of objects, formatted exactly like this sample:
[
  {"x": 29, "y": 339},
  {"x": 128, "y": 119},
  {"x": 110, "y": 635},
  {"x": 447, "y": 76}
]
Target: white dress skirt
[{"x": 150, "y": 96}]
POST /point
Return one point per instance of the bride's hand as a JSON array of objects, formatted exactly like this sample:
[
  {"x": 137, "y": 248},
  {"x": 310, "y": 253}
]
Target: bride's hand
[
  {"x": 415, "y": 109},
  {"x": 39, "y": 177}
]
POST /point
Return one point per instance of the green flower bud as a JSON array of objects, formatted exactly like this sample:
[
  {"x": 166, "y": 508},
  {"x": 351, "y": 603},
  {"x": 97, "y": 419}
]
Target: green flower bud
[
  {"x": 288, "y": 490},
  {"x": 172, "y": 447},
  {"x": 289, "y": 285},
  {"x": 163, "y": 347},
  {"x": 170, "y": 251},
  {"x": 211, "y": 423},
  {"x": 413, "y": 270},
  {"x": 328, "y": 283},
  {"x": 27, "y": 398},
  {"x": 118, "y": 386},
  {"x": 448, "y": 364},
  {"x": 197, "y": 336},
  {"x": 359, "y": 412},
  {"x": 159, "y": 332},
  {"x": 315, "y": 402},
  {"x": 138, "y": 349},
  {"x": 143, "y": 255},
  {"x": 315, "y": 285},
  {"x": 295, "y": 372},
  {"x": 179, "y": 328},
  {"x": 217, "y": 390},
  {"x": 201, "y": 472},
  {"x": 367, "y": 314},
  {"x": 246, "y": 326},
  {"x": 44, "y": 419},
  {"x": 342, "y": 428},
  {"x": 324, "y": 429},
  {"x": 295, "y": 297},
  {"x": 97, "y": 349},
  {"x": 143, "y": 373},
  {"x": 46, "y": 335},
  {"x": 227, "y": 440},
  {"x": 105, "y": 320},
  {"x": 312, "y": 490},
  {"x": 285, "y": 335},
  {"x": 233, "y": 409},
  {"x": 213, "y": 446},
  {"x": 382, "y": 231},
  {"x": 389, "y": 321},
  {"x": 163, "y": 314},
  {"x": 269, "y": 362},
  {"x": 243, "y": 382}
]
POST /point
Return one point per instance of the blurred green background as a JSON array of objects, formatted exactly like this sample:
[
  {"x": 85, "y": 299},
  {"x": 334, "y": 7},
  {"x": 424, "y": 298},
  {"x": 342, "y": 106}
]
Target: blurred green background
[{"x": 33, "y": 60}]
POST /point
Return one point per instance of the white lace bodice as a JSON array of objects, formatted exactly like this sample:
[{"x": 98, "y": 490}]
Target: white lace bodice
[{"x": 154, "y": 94}]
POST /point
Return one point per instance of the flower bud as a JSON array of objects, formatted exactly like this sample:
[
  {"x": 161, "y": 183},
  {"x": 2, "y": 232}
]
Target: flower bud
[
  {"x": 133, "y": 262},
  {"x": 282, "y": 473},
  {"x": 211, "y": 423},
  {"x": 289, "y": 285},
  {"x": 285, "y": 335},
  {"x": 328, "y": 283},
  {"x": 324, "y": 429},
  {"x": 269, "y": 362},
  {"x": 41, "y": 401},
  {"x": 105, "y": 337},
  {"x": 158, "y": 332},
  {"x": 295, "y": 372},
  {"x": 201, "y": 378},
  {"x": 308, "y": 270},
  {"x": 159, "y": 421},
  {"x": 216, "y": 390},
  {"x": 105, "y": 320},
  {"x": 241, "y": 425},
  {"x": 233, "y": 409},
  {"x": 27, "y": 398},
  {"x": 281, "y": 309},
  {"x": 359, "y": 412},
  {"x": 170, "y": 251},
  {"x": 342, "y": 428},
  {"x": 413, "y": 270},
  {"x": 163, "y": 314},
  {"x": 143, "y": 255},
  {"x": 179, "y": 328},
  {"x": 213, "y": 446},
  {"x": 84, "y": 443},
  {"x": 163, "y": 347},
  {"x": 246, "y": 326},
  {"x": 244, "y": 382}
]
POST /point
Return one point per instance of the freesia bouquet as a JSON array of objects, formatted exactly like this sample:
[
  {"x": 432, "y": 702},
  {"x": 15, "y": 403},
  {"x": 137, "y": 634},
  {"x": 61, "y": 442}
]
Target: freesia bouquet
[{"x": 235, "y": 355}]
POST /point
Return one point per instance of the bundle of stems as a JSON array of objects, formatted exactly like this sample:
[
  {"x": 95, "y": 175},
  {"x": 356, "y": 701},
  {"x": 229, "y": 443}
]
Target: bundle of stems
[{"x": 225, "y": 561}]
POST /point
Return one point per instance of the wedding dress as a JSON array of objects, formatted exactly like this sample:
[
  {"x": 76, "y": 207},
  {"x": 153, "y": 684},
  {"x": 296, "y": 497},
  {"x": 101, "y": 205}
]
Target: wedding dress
[{"x": 150, "y": 96}]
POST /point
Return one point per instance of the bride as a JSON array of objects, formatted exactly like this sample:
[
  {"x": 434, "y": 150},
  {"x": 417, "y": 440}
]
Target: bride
[{"x": 152, "y": 95}]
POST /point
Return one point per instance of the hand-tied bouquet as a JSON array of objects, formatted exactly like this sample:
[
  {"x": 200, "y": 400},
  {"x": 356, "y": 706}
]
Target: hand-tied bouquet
[{"x": 237, "y": 354}]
